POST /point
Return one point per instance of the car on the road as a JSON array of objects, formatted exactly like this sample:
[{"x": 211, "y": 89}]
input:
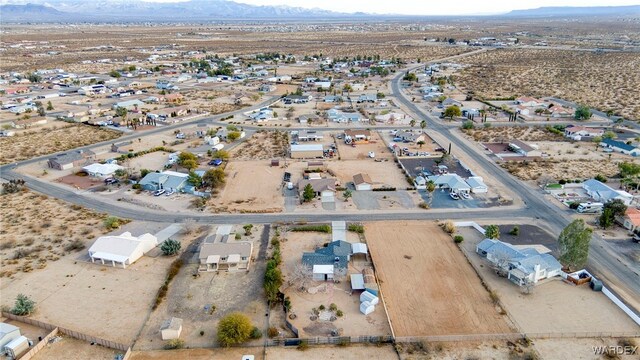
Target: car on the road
[
  {"x": 442, "y": 150},
  {"x": 169, "y": 192},
  {"x": 454, "y": 196},
  {"x": 215, "y": 162},
  {"x": 158, "y": 192}
]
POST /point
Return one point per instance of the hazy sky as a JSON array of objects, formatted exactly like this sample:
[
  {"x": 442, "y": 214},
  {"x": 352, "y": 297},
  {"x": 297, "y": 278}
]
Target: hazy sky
[{"x": 433, "y": 7}]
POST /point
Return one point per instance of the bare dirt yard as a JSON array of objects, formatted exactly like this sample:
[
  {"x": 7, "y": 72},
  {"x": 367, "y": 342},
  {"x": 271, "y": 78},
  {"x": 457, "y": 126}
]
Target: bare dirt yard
[
  {"x": 579, "y": 76},
  {"x": 385, "y": 173},
  {"x": 361, "y": 151},
  {"x": 37, "y": 230},
  {"x": 251, "y": 186},
  {"x": 74, "y": 349},
  {"x": 353, "y": 352},
  {"x": 263, "y": 145},
  {"x": 554, "y": 306},
  {"x": 421, "y": 270},
  {"x": 33, "y": 143}
]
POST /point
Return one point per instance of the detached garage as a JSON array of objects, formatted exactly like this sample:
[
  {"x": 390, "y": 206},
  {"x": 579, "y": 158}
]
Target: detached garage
[
  {"x": 307, "y": 151},
  {"x": 362, "y": 182}
]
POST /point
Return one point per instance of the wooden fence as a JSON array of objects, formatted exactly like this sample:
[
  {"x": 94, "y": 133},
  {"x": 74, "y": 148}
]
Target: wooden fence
[
  {"x": 36, "y": 348},
  {"x": 69, "y": 332}
]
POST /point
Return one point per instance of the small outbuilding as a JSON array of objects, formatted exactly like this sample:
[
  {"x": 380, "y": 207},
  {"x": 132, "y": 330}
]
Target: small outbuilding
[
  {"x": 362, "y": 182},
  {"x": 367, "y": 308},
  {"x": 371, "y": 298},
  {"x": 102, "y": 170},
  {"x": 123, "y": 249},
  {"x": 171, "y": 328},
  {"x": 8, "y": 333},
  {"x": 307, "y": 151}
]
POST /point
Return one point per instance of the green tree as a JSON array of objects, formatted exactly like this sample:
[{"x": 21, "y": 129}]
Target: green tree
[
  {"x": 247, "y": 229},
  {"x": 467, "y": 125},
  {"x": 307, "y": 193},
  {"x": 582, "y": 113},
  {"x": 214, "y": 178},
  {"x": 410, "y": 77},
  {"x": 573, "y": 244},
  {"x": 195, "y": 179},
  {"x": 233, "y": 135},
  {"x": 273, "y": 278},
  {"x": 121, "y": 111},
  {"x": 170, "y": 247},
  {"x": 412, "y": 123},
  {"x": 452, "y": 111},
  {"x": 629, "y": 169},
  {"x": 347, "y": 194},
  {"x": 221, "y": 154},
  {"x": 49, "y": 106},
  {"x": 609, "y": 135},
  {"x": 492, "y": 232},
  {"x": 23, "y": 306},
  {"x": 115, "y": 74},
  {"x": 234, "y": 329},
  {"x": 421, "y": 143},
  {"x": 423, "y": 124},
  {"x": 611, "y": 209},
  {"x": 188, "y": 160},
  {"x": 34, "y": 78}
]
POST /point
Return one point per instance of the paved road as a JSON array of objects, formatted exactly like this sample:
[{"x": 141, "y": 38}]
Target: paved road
[{"x": 603, "y": 261}]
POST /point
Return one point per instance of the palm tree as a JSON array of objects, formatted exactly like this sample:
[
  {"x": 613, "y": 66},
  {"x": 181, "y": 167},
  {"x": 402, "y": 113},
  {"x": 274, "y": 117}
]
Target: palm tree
[
  {"x": 412, "y": 123},
  {"x": 423, "y": 124}
]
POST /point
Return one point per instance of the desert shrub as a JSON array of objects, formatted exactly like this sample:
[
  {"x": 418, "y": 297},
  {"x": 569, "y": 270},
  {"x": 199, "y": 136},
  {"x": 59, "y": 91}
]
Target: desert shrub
[
  {"x": 458, "y": 239},
  {"x": 309, "y": 228},
  {"x": 256, "y": 333},
  {"x": 424, "y": 205},
  {"x": 170, "y": 247},
  {"x": 357, "y": 228},
  {"x": 174, "y": 344},
  {"x": 234, "y": 328},
  {"x": 272, "y": 332},
  {"x": 467, "y": 125},
  {"x": 112, "y": 222},
  {"x": 495, "y": 298},
  {"x": 23, "y": 306},
  {"x": 238, "y": 236},
  {"x": 75, "y": 245},
  {"x": 339, "y": 313},
  {"x": 515, "y": 231},
  {"x": 333, "y": 307},
  {"x": 321, "y": 307},
  {"x": 449, "y": 227},
  {"x": 303, "y": 345}
]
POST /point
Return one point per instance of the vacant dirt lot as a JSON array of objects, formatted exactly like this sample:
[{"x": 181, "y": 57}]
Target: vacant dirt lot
[
  {"x": 73, "y": 349},
  {"x": 384, "y": 173},
  {"x": 263, "y": 145},
  {"x": 558, "y": 169},
  {"x": 29, "y": 144},
  {"x": 251, "y": 186},
  {"x": 579, "y": 76},
  {"x": 361, "y": 151},
  {"x": 507, "y": 133},
  {"x": 554, "y": 306},
  {"x": 421, "y": 270},
  {"x": 37, "y": 230}
]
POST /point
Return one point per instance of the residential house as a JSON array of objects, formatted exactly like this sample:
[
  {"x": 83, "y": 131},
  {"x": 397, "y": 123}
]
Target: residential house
[
  {"x": 621, "y": 147},
  {"x": 523, "y": 110},
  {"x": 168, "y": 180},
  {"x": 367, "y": 98},
  {"x": 578, "y": 132},
  {"x": 296, "y": 99},
  {"x": 219, "y": 253},
  {"x": 343, "y": 117},
  {"x": 451, "y": 102},
  {"x": 560, "y": 112},
  {"x": 453, "y": 182},
  {"x": 524, "y": 265},
  {"x": 357, "y": 136},
  {"x": 30, "y": 122},
  {"x": 69, "y": 160},
  {"x": 603, "y": 193},
  {"x": 306, "y": 135},
  {"x": 123, "y": 249},
  {"x": 328, "y": 262},
  {"x": 262, "y": 115},
  {"x": 129, "y": 104},
  {"x": 93, "y": 90},
  {"x": 524, "y": 149},
  {"x": 309, "y": 118},
  {"x": 529, "y": 101},
  {"x": 267, "y": 88},
  {"x": 630, "y": 220},
  {"x": 477, "y": 184},
  {"x": 408, "y": 136},
  {"x": 332, "y": 99},
  {"x": 362, "y": 182},
  {"x": 21, "y": 109},
  {"x": 321, "y": 187},
  {"x": 306, "y": 151},
  {"x": 102, "y": 170}
]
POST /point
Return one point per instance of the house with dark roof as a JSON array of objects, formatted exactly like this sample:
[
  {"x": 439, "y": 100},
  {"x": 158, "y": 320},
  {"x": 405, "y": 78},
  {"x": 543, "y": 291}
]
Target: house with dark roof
[
  {"x": 619, "y": 146},
  {"x": 329, "y": 261},
  {"x": 71, "y": 159},
  {"x": 522, "y": 265}
]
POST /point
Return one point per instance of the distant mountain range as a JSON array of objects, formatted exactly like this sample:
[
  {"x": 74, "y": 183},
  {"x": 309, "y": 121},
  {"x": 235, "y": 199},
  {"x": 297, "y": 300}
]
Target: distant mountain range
[
  {"x": 211, "y": 10},
  {"x": 553, "y": 11}
]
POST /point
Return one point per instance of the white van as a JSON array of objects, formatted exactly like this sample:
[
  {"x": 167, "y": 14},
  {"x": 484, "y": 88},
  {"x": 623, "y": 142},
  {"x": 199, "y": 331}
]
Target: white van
[{"x": 590, "y": 208}]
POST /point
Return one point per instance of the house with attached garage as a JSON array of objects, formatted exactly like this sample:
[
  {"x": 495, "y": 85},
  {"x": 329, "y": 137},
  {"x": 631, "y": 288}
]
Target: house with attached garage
[
  {"x": 343, "y": 117},
  {"x": 523, "y": 265},
  {"x": 123, "y": 249},
  {"x": 630, "y": 220},
  {"x": 70, "y": 159},
  {"x": 603, "y": 193},
  {"x": 367, "y": 98},
  {"x": 102, "y": 170},
  {"x": 219, "y": 252},
  {"x": 409, "y": 136},
  {"x": 167, "y": 180},
  {"x": 321, "y": 187},
  {"x": 453, "y": 182},
  {"x": 619, "y": 146},
  {"x": 330, "y": 261},
  {"x": 357, "y": 136},
  {"x": 577, "y": 132},
  {"x": 529, "y": 101}
]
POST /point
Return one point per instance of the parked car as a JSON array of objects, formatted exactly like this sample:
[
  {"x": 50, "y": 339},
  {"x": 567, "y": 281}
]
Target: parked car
[
  {"x": 442, "y": 150},
  {"x": 169, "y": 192},
  {"x": 454, "y": 196},
  {"x": 110, "y": 181},
  {"x": 423, "y": 153},
  {"x": 158, "y": 192},
  {"x": 215, "y": 162},
  {"x": 465, "y": 195},
  {"x": 372, "y": 154},
  {"x": 180, "y": 136}
]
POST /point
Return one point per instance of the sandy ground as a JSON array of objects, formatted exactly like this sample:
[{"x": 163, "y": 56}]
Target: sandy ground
[
  {"x": 37, "y": 230},
  {"x": 361, "y": 151},
  {"x": 353, "y": 352},
  {"x": 38, "y": 142},
  {"x": 252, "y": 186},
  {"x": 461, "y": 350},
  {"x": 73, "y": 349},
  {"x": 384, "y": 173},
  {"x": 421, "y": 270},
  {"x": 554, "y": 306},
  {"x": 353, "y": 323},
  {"x": 263, "y": 145}
]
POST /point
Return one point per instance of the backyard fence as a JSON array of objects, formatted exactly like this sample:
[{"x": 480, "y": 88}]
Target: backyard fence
[
  {"x": 517, "y": 336},
  {"x": 335, "y": 340},
  {"x": 36, "y": 348},
  {"x": 71, "y": 333}
]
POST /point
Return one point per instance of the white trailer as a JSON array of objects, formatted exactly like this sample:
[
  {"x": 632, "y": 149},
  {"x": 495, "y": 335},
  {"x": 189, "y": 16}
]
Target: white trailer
[{"x": 17, "y": 347}]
